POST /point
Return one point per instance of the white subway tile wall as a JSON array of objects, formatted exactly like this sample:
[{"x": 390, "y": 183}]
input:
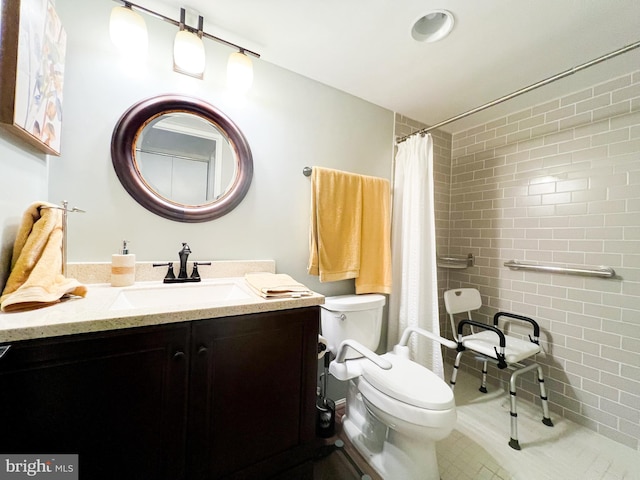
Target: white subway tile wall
[{"x": 557, "y": 183}]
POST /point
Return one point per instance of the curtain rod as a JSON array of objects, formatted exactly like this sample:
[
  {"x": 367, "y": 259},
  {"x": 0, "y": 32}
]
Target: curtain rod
[{"x": 539, "y": 84}]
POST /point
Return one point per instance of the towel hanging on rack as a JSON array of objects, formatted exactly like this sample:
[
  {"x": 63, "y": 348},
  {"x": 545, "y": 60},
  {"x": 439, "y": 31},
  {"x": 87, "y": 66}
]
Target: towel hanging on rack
[
  {"x": 35, "y": 280},
  {"x": 350, "y": 229}
]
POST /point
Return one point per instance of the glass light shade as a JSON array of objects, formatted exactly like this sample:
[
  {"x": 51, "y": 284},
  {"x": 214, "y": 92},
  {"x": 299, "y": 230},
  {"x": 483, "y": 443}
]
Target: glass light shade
[
  {"x": 188, "y": 54},
  {"x": 128, "y": 31},
  {"x": 239, "y": 72}
]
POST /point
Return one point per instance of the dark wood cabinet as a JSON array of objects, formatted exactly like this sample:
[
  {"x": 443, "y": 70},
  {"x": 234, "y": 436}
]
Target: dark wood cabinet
[
  {"x": 218, "y": 398},
  {"x": 252, "y": 392},
  {"x": 116, "y": 399}
]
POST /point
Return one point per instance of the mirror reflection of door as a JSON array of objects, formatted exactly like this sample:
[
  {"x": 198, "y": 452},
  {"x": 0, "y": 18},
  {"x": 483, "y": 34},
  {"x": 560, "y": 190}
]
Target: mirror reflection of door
[{"x": 185, "y": 158}]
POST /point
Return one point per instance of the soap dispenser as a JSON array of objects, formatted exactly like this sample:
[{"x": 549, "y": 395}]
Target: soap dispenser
[{"x": 123, "y": 267}]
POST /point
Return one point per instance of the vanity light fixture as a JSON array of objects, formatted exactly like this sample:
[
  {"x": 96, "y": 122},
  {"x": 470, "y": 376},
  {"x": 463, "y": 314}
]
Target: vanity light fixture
[
  {"x": 239, "y": 72},
  {"x": 127, "y": 30},
  {"x": 188, "y": 48}
]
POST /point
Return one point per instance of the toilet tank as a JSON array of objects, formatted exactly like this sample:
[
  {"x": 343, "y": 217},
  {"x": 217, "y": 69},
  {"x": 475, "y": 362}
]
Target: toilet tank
[{"x": 355, "y": 317}]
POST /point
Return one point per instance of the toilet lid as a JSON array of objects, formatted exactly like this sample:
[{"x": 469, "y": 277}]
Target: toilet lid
[
  {"x": 410, "y": 383},
  {"x": 353, "y": 303}
]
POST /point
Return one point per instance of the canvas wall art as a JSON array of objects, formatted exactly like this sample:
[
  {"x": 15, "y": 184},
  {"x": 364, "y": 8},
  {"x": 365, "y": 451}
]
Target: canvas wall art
[{"x": 32, "y": 57}]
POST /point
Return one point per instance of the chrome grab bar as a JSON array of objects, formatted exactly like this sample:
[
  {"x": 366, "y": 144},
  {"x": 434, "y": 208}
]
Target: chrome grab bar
[
  {"x": 601, "y": 272},
  {"x": 455, "y": 261}
]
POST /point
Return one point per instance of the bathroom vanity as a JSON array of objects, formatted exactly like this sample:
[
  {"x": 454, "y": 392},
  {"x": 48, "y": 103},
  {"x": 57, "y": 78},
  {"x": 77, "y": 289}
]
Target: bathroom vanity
[{"x": 191, "y": 394}]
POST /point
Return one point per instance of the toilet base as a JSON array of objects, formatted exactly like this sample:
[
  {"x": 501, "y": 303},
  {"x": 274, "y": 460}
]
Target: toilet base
[
  {"x": 391, "y": 462},
  {"x": 392, "y": 455}
]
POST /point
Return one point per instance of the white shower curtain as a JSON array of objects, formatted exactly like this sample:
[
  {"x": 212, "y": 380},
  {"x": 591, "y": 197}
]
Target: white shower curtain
[{"x": 414, "y": 300}]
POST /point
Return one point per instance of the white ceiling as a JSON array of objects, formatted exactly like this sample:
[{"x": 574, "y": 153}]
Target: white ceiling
[{"x": 365, "y": 48}]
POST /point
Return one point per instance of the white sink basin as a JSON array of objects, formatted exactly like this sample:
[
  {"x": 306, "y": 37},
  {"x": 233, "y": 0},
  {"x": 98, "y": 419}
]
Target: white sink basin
[{"x": 208, "y": 292}]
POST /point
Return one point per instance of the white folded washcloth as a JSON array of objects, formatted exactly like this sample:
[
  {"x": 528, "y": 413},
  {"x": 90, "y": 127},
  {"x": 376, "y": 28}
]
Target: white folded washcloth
[{"x": 276, "y": 285}]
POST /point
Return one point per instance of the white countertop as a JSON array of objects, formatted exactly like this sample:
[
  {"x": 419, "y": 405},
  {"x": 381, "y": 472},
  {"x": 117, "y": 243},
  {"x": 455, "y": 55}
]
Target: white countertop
[{"x": 95, "y": 313}]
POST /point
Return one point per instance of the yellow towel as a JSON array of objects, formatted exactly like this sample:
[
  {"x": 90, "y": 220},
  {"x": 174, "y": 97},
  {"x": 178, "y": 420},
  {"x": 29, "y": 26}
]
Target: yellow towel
[
  {"x": 35, "y": 280},
  {"x": 280, "y": 285},
  {"x": 336, "y": 219},
  {"x": 350, "y": 229},
  {"x": 375, "y": 250}
]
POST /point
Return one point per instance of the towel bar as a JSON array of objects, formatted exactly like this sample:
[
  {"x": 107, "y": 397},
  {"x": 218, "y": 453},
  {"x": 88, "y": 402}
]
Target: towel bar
[
  {"x": 65, "y": 210},
  {"x": 602, "y": 272}
]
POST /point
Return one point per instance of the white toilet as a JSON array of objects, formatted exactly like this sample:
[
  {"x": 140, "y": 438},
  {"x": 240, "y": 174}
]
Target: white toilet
[{"x": 396, "y": 409}]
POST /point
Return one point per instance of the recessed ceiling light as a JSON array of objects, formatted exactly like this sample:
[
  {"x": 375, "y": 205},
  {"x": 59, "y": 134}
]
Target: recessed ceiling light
[{"x": 433, "y": 26}]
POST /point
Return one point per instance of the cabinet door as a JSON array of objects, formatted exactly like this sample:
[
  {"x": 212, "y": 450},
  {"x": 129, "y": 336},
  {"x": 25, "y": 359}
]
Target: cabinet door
[
  {"x": 116, "y": 399},
  {"x": 252, "y": 393}
]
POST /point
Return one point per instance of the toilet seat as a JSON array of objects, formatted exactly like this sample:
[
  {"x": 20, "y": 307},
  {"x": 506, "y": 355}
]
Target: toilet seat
[{"x": 410, "y": 383}]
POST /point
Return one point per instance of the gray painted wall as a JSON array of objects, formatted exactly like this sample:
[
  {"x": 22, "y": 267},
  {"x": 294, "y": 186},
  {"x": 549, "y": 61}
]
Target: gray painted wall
[
  {"x": 23, "y": 179},
  {"x": 288, "y": 120}
]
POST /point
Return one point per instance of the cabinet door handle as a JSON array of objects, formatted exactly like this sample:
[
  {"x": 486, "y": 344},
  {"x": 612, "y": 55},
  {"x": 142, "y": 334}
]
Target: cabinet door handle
[
  {"x": 178, "y": 354},
  {"x": 202, "y": 350},
  {"x": 4, "y": 349}
]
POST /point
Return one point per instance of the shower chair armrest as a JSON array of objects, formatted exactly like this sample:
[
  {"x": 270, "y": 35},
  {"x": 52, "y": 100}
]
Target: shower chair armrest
[
  {"x": 500, "y": 356},
  {"x": 536, "y": 327}
]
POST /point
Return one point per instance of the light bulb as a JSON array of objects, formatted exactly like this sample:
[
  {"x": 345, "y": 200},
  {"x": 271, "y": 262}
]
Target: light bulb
[
  {"x": 128, "y": 31},
  {"x": 239, "y": 72},
  {"x": 188, "y": 54}
]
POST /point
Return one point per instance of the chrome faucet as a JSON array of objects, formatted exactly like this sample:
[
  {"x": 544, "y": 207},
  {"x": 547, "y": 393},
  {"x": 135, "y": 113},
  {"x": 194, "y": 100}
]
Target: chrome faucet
[{"x": 182, "y": 274}]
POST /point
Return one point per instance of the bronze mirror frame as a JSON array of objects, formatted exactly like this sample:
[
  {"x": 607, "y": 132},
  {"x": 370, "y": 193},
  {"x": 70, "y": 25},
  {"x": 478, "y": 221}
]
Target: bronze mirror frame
[{"x": 123, "y": 145}]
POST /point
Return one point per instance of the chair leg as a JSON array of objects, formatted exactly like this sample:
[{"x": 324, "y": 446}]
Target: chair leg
[
  {"x": 513, "y": 441},
  {"x": 546, "y": 419},
  {"x": 454, "y": 374},
  {"x": 483, "y": 385}
]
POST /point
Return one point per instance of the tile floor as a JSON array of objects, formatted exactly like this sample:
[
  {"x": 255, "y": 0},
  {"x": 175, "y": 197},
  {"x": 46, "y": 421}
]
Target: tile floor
[{"x": 478, "y": 448}]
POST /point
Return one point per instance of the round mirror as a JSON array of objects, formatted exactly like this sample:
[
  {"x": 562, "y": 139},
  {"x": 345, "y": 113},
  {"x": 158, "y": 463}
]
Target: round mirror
[{"x": 181, "y": 158}]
